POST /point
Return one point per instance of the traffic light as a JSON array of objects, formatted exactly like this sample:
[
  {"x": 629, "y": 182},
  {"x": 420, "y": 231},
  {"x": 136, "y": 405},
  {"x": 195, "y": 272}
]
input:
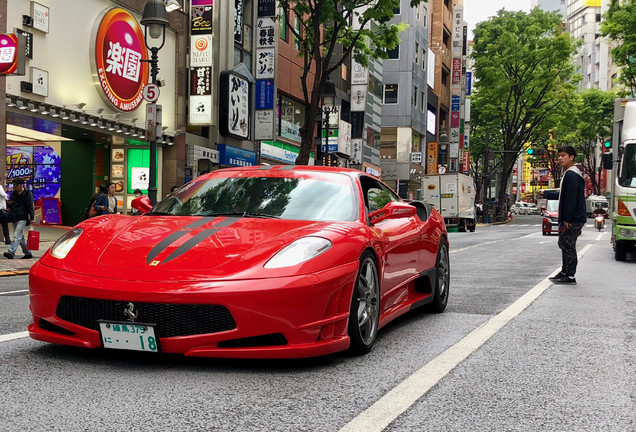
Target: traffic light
[
  {"x": 607, "y": 145},
  {"x": 536, "y": 152}
]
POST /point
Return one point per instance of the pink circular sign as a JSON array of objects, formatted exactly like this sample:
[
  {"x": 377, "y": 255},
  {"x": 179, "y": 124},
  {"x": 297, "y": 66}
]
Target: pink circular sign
[
  {"x": 8, "y": 53},
  {"x": 119, "y": 53}
]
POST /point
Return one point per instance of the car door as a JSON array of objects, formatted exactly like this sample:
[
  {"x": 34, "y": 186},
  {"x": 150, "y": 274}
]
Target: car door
[{"x": 400, "y": 240}]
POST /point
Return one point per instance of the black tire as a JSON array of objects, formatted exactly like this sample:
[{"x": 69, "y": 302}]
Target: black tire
[
  {"x": 364, "y": 315},
  {"x": 620, "y": 251},
  {"x": 442, "y": 280},
  {"x": 461, "y": 227}
]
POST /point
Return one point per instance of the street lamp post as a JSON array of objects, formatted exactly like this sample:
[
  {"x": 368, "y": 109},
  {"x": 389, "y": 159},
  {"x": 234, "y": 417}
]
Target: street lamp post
[
  {"x": 155, "y": 20},
  {"x": 328, "y": 108},
  {"x": 443, "y": 143}
]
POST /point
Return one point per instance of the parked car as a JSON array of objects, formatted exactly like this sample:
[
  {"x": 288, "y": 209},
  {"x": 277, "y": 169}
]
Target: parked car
[
  {"x": 550, "y": 217},
  {"x": 533, "y": 209},
  {"x": 246, "y": 262}
]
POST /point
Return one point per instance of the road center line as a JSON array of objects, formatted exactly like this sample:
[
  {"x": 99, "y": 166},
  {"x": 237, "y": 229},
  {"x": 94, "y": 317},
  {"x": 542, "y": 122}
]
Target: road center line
[
  {"x": 12, "y": 336},
  {"x": 386, "y": 409},
  {"x": 13, "y": 292}
]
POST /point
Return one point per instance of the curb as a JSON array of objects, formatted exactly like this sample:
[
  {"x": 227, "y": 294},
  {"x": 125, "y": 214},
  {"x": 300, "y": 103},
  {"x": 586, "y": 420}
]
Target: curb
[{"x": 13, "y": 273}]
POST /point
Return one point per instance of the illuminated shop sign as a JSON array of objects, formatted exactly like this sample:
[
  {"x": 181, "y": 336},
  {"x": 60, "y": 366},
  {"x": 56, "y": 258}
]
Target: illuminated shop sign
[
  {"x": 121, "y": 60},
  {"x": 8, "y": 53}
]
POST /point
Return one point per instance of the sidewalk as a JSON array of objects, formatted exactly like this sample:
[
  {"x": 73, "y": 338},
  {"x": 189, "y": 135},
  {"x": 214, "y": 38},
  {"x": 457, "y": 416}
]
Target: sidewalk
[{"x": 17, "y": 266}]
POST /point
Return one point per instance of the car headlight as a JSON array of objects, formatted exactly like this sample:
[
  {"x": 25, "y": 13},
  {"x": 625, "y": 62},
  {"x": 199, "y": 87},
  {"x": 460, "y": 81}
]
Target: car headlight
[
  {"x": 64, "y": 244},
  {"x": 298, "y": 252}
]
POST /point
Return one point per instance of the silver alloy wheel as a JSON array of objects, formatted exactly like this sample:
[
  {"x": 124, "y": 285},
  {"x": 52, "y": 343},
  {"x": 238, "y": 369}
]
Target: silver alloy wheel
[
  {"x": 368, "y": 291},
  {"x": 443, "y": 274}
]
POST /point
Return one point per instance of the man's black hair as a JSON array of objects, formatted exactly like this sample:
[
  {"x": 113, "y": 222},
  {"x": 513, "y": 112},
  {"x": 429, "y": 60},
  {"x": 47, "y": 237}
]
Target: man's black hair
[{"x": 567, "y": 149}]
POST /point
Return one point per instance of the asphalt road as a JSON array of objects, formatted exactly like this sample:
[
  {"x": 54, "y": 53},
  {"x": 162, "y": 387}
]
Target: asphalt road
[{"x": 511, "y": 353}]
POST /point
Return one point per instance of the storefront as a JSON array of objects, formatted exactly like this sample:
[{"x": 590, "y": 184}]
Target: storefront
[{"x": 77, "y": 120}]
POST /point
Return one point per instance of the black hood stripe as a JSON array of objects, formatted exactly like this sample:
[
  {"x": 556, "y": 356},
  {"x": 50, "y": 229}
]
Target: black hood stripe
[
  {"x": 163, "y": 244},
  {"x": 190, "y": 243}
]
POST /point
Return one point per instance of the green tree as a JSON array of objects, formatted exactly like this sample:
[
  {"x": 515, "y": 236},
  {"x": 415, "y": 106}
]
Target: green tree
[
  {"x": 328, "y": 33},
  {"x": 523, "y": 72},
  {"x": 619, "y": 24},
  {"x": 586, "y": 124}
]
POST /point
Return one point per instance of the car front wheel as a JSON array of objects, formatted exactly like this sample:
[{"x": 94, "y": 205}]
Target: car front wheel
[
  {"x": 442, "y": 280},
  {"x": 364, "y": 315}
]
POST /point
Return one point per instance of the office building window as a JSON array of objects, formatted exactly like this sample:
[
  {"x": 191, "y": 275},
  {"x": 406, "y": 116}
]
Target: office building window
[
  {"x": 390, "y": 93},
  {"x": 283, "y": 26}
]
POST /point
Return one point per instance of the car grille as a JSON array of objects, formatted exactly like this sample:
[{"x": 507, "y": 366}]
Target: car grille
[{"x": 171, "y": 319}]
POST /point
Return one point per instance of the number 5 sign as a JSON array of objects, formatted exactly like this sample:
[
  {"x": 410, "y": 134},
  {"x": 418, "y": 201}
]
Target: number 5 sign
[{"x": 151, "y": 93}]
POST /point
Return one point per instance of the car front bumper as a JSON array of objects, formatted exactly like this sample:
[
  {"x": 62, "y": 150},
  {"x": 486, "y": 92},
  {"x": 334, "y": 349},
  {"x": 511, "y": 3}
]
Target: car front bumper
[{"x": 290, "y": 317}]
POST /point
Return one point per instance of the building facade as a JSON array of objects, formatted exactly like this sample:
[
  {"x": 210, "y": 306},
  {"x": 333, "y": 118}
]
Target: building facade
[
  {"x": 404, "y": 110},
  {"x": 75, "y": 120}
]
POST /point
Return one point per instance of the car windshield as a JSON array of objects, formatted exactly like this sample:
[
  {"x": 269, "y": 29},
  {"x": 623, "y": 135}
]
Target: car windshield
[
  {"x": 328, "y": 197},
  {"x": 552, "y": 205},
  {"x": 628, "y": 170}
]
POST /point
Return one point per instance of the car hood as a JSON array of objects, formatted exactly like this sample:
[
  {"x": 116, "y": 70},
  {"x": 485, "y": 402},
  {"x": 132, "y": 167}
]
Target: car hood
[
  {"x": 551, "y": 214},
  {"x": 168, "y": 247},
  {"x": 194, "y": 243}
]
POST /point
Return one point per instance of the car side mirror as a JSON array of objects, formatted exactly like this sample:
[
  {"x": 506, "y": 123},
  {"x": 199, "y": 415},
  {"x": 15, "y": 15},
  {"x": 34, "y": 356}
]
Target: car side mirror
[
  {"x": 393, "y": 210},
  {"x": 608, "y": 161},
  {"x": 141, "y": 204}
]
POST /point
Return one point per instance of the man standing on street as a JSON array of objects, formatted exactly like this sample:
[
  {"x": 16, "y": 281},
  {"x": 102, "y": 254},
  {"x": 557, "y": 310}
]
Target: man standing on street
[
  {"x": 21, "y": 213},
  {"x": 572, "y": 213}
]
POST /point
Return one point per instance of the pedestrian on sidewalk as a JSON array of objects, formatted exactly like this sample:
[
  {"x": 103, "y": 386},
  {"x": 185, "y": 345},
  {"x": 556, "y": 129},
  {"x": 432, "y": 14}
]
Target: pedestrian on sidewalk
[
  {"x": 90, "y": 210},
  {"x": 21, "y": 214},
  {"x": 107, "y": 203},
  {"x": 572, "y": 213},
  {"x": 4, "y": 216}
]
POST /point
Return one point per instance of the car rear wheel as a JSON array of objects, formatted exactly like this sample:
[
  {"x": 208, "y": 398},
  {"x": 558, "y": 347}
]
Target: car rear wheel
[
  {"x": 442, "y": 280},
  {"x": 364, "y": 315}
]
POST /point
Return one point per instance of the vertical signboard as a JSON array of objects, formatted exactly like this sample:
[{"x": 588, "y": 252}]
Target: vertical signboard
[
  {"x": 431, "y": 158},
  {"x": 266, "y": 52},
  {"x": 234, "y": 116},
  {"x": 456, "y": 88},
  {"x": 200, "y": 88}
]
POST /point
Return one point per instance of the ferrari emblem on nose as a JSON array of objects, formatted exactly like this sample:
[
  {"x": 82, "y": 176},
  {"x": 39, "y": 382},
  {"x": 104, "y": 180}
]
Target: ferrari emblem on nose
[
  {"x": 155, "y": 263},
  {"x": 130, "y": 312}
]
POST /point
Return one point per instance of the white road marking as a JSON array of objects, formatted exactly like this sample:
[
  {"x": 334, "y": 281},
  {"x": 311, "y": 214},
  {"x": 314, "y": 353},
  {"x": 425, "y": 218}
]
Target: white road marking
[
  {"x": 601, "y": 235},
  {"x": 13, "y": 292},
  {"x": 12, "y": 336},
  {"x": 473, "y": 246},
  {"x": 386, "y": 409}
]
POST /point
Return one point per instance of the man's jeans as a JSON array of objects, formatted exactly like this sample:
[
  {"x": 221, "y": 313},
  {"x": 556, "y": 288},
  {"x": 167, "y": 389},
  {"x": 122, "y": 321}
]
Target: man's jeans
[
  {"x": 18, "y": 238},
  {"x": 567, "y": 244}
]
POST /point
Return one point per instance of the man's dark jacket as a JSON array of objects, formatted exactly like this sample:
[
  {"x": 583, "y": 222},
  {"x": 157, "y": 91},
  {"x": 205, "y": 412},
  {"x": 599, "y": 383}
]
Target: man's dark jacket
[
  {"x": 21, "y": 206},
  {"x": 571, "y": 197}
]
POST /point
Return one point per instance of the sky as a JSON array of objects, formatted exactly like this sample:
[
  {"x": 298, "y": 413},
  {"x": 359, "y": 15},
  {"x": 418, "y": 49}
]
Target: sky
[{"x": 481, "y": 10}]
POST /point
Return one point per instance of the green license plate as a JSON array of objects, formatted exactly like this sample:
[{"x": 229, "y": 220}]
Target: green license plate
[{"x": 128, "y": 336}]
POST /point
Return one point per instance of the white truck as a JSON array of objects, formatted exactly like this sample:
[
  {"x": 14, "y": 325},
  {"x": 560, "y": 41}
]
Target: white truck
[
  {"x": 622, "y": 160},
  {"x": 592, "y": 201},
  {"x": 453, "y": 195}
]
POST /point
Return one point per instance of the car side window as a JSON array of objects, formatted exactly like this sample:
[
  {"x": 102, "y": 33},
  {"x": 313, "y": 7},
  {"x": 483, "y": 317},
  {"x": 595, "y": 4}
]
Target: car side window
[{"x": 376, "y": 195}]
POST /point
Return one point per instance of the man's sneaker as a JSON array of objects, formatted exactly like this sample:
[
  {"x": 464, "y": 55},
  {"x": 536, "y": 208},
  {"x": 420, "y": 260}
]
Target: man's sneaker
[
  {"x": 8, "y": 255},
  {"x": 27, "y": 256},
  {"x": 565, "y": 280},
  {"x": 557, "y": 276}
]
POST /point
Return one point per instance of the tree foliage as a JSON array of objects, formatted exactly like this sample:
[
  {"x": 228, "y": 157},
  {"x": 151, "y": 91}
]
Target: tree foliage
[
  {"x": 586, "y": 123},
  {"x": 330, "y": 31},
  {"x": 619, "y": 24},
  {"x": 523, "y": 73}
]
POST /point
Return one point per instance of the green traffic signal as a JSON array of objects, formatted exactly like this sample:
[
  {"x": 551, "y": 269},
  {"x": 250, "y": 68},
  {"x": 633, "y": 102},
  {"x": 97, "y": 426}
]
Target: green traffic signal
[
  {"x": 607, "y": 145},
  {"x": 536, "y": 152}
]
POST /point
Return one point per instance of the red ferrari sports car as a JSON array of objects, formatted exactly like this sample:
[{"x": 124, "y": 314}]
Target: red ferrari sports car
[{"x": 256, "y": 262}]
